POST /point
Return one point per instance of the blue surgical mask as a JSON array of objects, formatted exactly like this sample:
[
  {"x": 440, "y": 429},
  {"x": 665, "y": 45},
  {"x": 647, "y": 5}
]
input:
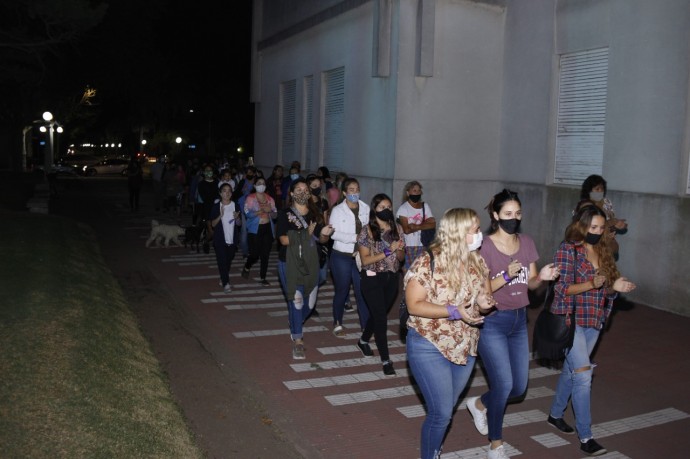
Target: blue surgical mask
[
  {"x": 294, "y": 176},
  {"x": 596, "y": 195},
  {"x": 353, "y": 198}
]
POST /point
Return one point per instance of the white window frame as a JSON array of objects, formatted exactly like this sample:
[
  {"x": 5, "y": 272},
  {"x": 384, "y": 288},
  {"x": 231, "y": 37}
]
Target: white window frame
[{"x": 333, "y": 118}]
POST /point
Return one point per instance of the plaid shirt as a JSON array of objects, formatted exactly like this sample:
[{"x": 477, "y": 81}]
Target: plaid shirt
[{"x": 591, "y": 307}]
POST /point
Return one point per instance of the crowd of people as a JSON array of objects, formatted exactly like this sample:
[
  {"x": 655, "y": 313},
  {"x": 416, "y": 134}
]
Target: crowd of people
[{"x": 466, "y": 295}]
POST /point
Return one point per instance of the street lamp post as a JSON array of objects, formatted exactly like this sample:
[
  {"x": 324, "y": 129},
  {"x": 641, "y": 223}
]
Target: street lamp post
[{"x": 48, "y": 156}]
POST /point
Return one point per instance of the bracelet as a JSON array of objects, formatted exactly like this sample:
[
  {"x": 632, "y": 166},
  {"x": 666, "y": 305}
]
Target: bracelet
[
  {"x": 453, "y": 313},
  {"x": 506, "y": 277},
  {"x": 387, "y": 252}
]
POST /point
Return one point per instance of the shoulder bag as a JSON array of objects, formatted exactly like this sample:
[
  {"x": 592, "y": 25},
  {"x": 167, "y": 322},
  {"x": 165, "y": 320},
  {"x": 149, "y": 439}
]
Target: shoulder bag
[
  {"x": 427, "y": 235},
  {"x": 403, "y": 313},
  {"x": 553, "y": 337}
]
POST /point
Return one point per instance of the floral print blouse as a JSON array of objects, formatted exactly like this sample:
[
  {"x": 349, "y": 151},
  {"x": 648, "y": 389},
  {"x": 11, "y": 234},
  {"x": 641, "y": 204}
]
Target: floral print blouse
[
  {"x": 455, "y": 339},
  {"x": 389, "y": 263}
]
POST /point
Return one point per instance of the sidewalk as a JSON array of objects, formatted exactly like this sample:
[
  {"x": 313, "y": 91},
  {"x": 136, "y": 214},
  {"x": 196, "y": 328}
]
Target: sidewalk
[{"x": 338, "y": 404}]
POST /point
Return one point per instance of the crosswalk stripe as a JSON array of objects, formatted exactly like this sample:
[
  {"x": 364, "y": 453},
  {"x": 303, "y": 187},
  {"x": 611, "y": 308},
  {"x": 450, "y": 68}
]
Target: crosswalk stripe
[
  {"x": 640, "y": 421},
  {"x": 479, "y": 452},
  {"x": 415, "y": 411},
  {"x": 314, "y": 383},
  {"x": 346, "y": 363},
  {"x": 283, "y": 331}
]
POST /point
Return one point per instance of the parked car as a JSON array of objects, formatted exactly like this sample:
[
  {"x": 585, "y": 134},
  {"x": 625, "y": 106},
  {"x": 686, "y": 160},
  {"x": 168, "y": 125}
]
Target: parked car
[
  {"x": 78, "y": 161},
  {"x": 116, "y": 166}
]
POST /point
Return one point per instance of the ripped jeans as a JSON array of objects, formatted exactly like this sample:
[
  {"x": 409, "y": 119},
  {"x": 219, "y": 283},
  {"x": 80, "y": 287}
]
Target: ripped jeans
[
  {"x": 577, "y": 384},
  {"x": 297, "y": 312}
]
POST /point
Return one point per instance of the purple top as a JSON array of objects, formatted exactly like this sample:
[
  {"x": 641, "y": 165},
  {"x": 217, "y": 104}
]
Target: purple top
[{"x": 514, "y": 294}]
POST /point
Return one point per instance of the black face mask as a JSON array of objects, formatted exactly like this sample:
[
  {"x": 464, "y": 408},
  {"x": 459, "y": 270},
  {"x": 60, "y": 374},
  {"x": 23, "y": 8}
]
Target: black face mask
[
  {"x": 415, "y": 197},
  {"x": 510, "y": 225},
  {"x": 385, "y": 215},
  {"x": 592, "y": 239},
  {"x": 316, "y": 191}
]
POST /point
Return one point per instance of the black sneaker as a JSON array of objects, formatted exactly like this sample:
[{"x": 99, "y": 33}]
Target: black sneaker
[
  {"x": 263, "y": 282},
  {"x": 561, "y": 425},
  {"x": 245, "y": 273},
  {"x": 388, "y": 369},
  {"x": 592, "y": 448},
  {"x": 365, "y": 348},
  {"x": 349, "y": 308}
]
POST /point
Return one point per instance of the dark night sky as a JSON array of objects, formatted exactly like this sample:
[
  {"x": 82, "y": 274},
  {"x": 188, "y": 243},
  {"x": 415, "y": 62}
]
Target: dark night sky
[{"x": 151, "y": 61}]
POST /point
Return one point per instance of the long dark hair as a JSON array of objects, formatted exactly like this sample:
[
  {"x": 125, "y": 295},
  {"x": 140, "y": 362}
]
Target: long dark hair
[
  {"x": 577, "y": 231},
  {"x": 374, "y": 225},
  {"x": 318, "y": 216},
  {"x": 589, "y": 184},
  {"x": 497, "y": 203}
]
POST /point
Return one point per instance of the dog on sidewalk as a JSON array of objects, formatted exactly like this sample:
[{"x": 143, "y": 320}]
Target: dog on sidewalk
[
  {"x": 193, "y": 235},
  {"x": 165, "y": 233}
]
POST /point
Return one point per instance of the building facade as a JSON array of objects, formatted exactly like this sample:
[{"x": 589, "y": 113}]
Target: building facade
[{"x": 469, "y": 97}]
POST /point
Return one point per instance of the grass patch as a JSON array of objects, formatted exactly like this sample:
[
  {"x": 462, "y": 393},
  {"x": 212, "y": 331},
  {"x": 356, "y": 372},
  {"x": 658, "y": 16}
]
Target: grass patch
[{"x": 78, "y": 378}]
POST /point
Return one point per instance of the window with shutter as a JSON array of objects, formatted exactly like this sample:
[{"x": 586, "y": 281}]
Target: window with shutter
[
  {"x": 333, "y": 118},
  {"x": 287, "y": 120},
  {"x": 581, "y": 115}
]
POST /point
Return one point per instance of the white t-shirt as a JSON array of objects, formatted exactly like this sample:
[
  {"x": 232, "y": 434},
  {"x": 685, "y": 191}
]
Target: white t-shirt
[
  {"x": 413, "y": 216},
  {"x": 229, "y": 222}
]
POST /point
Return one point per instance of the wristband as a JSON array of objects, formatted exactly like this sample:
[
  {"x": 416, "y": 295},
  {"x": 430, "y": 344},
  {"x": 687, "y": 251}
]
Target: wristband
[
  {"x": 453, "y": 313},
  {"x": 387, "y": 252},
  {"x": 506, "y": 277}
]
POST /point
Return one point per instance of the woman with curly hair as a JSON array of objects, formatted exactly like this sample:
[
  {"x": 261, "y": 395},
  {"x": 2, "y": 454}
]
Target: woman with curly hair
[
  {"x": 589, "y": 282},
  {"x": 445, "y": 298}
]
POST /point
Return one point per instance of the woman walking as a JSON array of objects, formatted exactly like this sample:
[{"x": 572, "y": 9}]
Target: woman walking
[
  {"x": 503, "y": 345},
  {"x": 589, "y": 282},
  {"x": 299, "y": 229},
  {"x": 222, "y": 218},
  {"x": 259, "y": 211},
  {"x": 381, "y": 249},
  {"x": 347, "y": 219},
  {"x": 445, "y": 297}
]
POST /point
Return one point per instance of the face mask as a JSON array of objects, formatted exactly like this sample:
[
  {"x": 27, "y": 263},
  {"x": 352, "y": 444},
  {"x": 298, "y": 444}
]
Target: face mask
[
  {"x": 415, "y": 197},
  {"x": 301, "y": 197},
  {"x": 476, "y": 241},
  {"x": 294, "y": 176},
  {"x": 592, "y": 239},
  {"x": 208, "y": 174},
  {"x": 353, "y": 198},
  {"x": 385, "y": 215},
  {"x": 316, "y": 191},
  {"x": 596, "y": 195},
  {"x": 260, "y": 188},
  {"x": 510, "y": 225}
]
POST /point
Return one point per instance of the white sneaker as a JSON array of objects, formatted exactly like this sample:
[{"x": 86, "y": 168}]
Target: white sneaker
[
  {"x": 498, "y": 453},
  {"x": 479, "y": 416},
  {"x": 227, "y": 288}
]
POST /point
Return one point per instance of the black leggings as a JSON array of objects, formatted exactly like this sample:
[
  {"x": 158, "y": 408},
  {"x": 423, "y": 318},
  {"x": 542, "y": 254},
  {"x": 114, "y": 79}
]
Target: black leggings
[
  {"x": 260, "y": 247},
  {"x": 379, "y": 292}
]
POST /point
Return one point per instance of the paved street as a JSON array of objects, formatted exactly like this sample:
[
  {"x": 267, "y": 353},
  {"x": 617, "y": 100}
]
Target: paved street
[{"x": 338, "y": 404}]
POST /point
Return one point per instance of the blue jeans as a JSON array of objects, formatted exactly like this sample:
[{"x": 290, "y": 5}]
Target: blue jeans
[
  {"x": 504, "y": 349},
  {"x": 441, "y": 382},
  {"x": 577, "y": 385},
  {"x": 298, "y": 311},
  {"x": 344, "y": 272}
]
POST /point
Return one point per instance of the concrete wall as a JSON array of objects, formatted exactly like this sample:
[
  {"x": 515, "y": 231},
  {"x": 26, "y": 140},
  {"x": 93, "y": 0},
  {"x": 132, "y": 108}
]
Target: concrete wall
[{"x": 485, "y": 118}]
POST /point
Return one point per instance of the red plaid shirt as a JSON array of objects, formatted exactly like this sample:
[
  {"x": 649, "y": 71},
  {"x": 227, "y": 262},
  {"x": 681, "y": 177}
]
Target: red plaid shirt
[{"x": 591, "y": 307}]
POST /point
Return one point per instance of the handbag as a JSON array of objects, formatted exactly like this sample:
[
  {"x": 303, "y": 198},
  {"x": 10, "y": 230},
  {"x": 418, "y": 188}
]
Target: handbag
[
  {"x": 427, "y": 235},
  {"x": 553, "y": 337},
  {"x": 403, "y": 313}
]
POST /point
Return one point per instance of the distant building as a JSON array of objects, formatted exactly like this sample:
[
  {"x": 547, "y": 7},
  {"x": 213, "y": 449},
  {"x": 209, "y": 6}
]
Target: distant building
[{"x": 469, "y": 97}]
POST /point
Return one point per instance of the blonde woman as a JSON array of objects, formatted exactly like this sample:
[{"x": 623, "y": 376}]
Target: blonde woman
[{"x": 445, "y": 309}]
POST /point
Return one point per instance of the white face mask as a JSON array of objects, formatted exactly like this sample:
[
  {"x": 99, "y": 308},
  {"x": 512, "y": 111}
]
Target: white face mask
[
  {"x": 477, "y": 239},
  {"x": 260, "y": 188},
  {"x": 596, "y": 195}
]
